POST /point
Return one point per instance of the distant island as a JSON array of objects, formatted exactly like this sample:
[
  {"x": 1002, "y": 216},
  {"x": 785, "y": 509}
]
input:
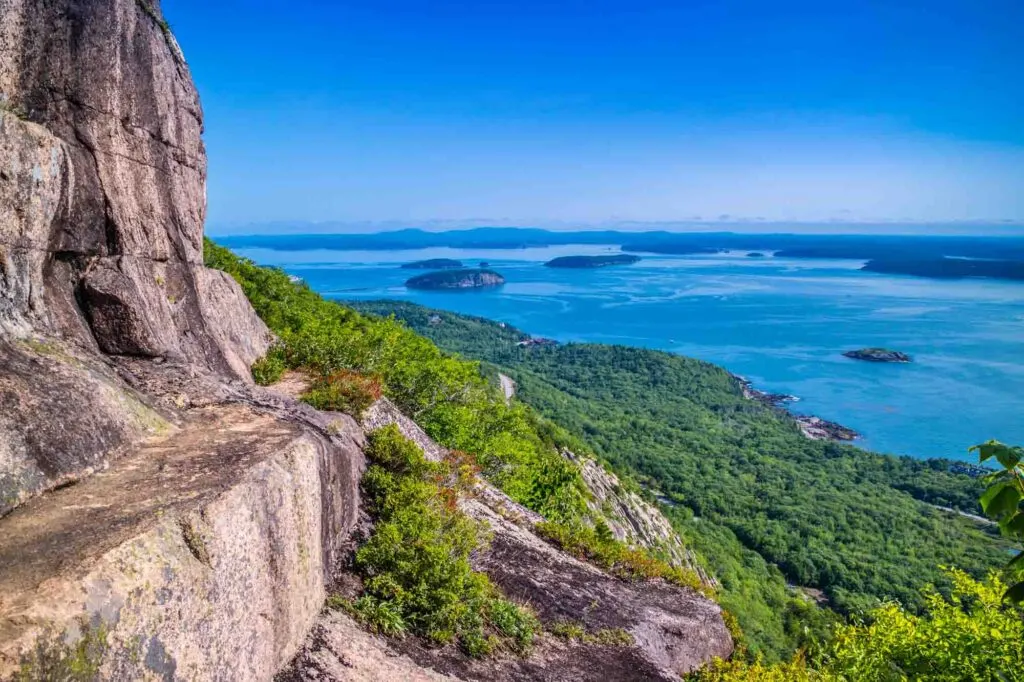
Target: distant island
[
  {"x": 592, "y": 261},
  {"x": 456, "y": 279},
  {"x": 878, "y": 355},
  {"x": 671, "y": 248},
  {"x": 949, "y": 268},
  {"x": 434, "y": 264},
  {"x": 755, "y": 254}
]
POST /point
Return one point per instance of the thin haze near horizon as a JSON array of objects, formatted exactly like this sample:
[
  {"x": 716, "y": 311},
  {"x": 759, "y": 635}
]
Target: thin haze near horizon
[{"x": 549, "y": 114}]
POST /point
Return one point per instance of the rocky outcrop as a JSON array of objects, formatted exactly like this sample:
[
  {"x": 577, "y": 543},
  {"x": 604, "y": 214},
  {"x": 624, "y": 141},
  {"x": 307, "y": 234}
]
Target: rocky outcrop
[
  {"x": 203, "y": 551},
  {"x": 103, "y": 182},
  {"x": 877, "y": 355},
  {"x": 673, "y": 630},
  {"x": 632, "y": 519},
  {"x": 102, "y": 202},
  {"x": 817, "y": 428},
  {"x": 814, "y": 428}
]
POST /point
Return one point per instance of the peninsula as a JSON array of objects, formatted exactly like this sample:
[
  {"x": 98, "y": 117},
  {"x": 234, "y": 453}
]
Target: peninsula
[
  {"x": 456, "y": 279},
  {"x": 577, "y": 262}
]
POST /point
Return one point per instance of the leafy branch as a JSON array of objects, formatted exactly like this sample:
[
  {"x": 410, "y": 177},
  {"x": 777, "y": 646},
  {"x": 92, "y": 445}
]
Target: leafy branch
[{"x": 1001, "y": 502}]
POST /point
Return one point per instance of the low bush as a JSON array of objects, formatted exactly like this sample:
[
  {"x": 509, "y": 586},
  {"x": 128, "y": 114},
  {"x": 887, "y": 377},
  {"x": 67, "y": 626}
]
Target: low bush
[
  {"x": 344, "y": 391},
  {"x": 270, "y": 368},
  {"x": 971, "y": 635},
  {"x": 415, "y": 566},
  {"x": 574, "y": 631}
]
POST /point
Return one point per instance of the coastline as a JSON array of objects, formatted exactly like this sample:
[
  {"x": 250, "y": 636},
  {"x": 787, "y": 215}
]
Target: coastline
[{"x": 814, "y": 428}]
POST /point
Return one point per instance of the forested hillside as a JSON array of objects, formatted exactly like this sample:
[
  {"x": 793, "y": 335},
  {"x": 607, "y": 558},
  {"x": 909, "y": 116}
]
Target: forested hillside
[{"x": 763, "y": 504}]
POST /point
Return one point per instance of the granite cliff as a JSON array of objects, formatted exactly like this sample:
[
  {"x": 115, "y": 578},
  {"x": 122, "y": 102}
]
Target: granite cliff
[{"x": 161, "y": 517}]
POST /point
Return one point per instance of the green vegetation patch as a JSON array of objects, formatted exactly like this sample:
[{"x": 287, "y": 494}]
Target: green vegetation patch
[
  {"x": 768, "y": 509},
  {"x": 416, "y": 570},
  {"x": 597, "y": 545},
  {"x": 971, "y": 635},
  {"x": 66, "y": 656},
  {"x": 344, "y": 391}
]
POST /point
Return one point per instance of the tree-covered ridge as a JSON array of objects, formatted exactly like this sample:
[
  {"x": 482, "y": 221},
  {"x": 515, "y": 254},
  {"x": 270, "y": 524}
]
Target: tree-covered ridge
[{"x": 747, "y": 489}]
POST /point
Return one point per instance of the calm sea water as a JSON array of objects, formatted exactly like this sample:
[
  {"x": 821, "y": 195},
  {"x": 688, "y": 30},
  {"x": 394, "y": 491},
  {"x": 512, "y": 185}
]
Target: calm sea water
[{"x": 782, "y": 323}]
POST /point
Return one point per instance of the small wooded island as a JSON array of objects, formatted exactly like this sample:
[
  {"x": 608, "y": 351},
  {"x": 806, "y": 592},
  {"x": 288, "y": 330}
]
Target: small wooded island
[
  {"x": 456, "y": 279},
  {"x": 878, "y": 355},
  {"x": 592, "y": 261},
  {"x": 434, "y": 264}
]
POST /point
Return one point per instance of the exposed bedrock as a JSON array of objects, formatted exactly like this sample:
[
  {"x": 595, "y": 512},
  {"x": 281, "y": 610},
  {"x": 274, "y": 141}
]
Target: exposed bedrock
[
  {"x": 102, "y": 176},
  {"x": 102, "y": 202},
  {"x": 203, "y": 555}
]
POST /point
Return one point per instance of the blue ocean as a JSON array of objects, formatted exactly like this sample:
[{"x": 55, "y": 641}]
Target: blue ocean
[{"x": 782, "y": 323}]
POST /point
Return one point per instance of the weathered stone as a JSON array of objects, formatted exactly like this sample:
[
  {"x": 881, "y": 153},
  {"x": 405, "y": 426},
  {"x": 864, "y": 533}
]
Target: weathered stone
[
  {"x": 632, "y": 519},
  {"x": 204, "y": 549},
  {"x": 111, "y": 180},
  {"x": 63, "y": 415},
  {"x": 121, "y": 321},
  {"x": 102, "y": 202},
  {"x": 35, "y": 181}
]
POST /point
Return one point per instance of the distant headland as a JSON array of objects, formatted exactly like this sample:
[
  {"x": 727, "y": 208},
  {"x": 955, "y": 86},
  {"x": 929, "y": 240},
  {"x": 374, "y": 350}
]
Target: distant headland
[
  {"x": 434, "y": 264},
  {"x": 577, "y": 262},
  {"x": 947, "y": 257},
  {"x": 456, "y": 279}
]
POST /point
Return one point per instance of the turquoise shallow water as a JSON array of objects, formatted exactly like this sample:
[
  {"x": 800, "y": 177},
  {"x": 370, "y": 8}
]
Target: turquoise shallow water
[{"x": 783, "y": 323}]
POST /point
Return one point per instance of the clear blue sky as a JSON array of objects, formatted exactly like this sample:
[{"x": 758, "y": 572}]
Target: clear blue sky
[{"x": 543, "y": 111}]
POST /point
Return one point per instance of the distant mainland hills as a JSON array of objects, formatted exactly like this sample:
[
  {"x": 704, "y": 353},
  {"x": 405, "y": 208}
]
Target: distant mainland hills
[{"x": 948, "y": 257}]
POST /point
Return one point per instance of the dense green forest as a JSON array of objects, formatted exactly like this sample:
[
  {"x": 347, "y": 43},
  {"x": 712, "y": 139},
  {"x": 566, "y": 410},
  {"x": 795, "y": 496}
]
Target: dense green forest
[{"x": 763, "y": 504}]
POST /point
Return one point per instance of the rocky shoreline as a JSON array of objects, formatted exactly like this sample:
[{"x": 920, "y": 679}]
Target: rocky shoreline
[{"x": 812, "y": 427}]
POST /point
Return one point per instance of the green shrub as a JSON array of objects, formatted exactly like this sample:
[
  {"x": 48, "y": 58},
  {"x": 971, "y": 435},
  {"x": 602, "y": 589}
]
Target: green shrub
[
  {"x": 269, "y": 368},
  {"x": 513, "y": 621},
  {"x": 378, "y": 616},
  {"x": 574, "y": 631},
  {"x": 415, "y": 567},
  {"x": 972, "y": 635},
  {"x": 344, "y": 391}
]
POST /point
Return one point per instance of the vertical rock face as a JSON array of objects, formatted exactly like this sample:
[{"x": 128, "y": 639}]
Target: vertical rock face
[
  {"x": 102, "y": 203},
  {"x": 103, "y": 178}
]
